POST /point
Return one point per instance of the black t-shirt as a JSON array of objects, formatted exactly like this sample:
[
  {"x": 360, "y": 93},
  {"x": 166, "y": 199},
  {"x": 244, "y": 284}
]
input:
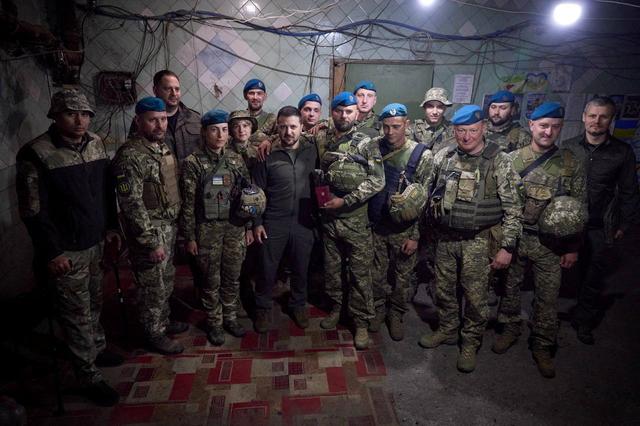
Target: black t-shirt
[{"x": 172, "y": 122}]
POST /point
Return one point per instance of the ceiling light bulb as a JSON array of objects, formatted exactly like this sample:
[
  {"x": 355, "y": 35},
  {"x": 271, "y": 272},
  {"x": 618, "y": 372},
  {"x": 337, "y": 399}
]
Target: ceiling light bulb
[
  {"x": 426, "y": 3},
  {"x": 250, "y": 7},
  {"x": 566, "y": 14}
]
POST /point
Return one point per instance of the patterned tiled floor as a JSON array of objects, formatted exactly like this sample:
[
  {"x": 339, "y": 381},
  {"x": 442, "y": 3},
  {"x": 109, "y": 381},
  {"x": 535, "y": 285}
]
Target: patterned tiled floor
[{"x": 287, "y": 376}]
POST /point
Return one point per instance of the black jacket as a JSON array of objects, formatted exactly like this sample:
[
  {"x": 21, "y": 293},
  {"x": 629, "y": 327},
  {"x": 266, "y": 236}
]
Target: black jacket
[
  {"x": 286, "y": 181},
  {"x": 64, "y": 193},
  {"x": 610, "y": 169}
]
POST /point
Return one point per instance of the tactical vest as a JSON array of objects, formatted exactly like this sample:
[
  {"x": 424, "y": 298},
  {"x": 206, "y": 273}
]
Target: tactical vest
[
  {"x": 216, "y": 189},
  {"x": 421, "y": 133},
  {"x": 165, "y": 194},
  {"x": 352, "y": 166},
  {"x": 543, "y": 183},
  {"x": 396, "y": 165},
  {"x": 470, "y": 201}
]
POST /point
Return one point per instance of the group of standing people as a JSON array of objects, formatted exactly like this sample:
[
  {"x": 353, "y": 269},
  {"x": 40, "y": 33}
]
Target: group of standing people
[{"x": 476, "y": 198}]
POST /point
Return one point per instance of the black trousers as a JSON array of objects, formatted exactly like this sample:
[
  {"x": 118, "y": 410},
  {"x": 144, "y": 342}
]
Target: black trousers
[
  {"x": 284, "y": 238},
  {"x": 596, "y": 261}
]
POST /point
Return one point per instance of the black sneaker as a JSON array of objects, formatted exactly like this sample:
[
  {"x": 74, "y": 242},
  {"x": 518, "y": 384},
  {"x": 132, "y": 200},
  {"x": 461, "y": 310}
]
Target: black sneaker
[
  {"x": 234, "y": 328},
  {"x": 165, "y": 346},
  {"x": 109, "y": 359},
  {"x": 101, "y": 394},
  {"x": 216, "y": 336},
  {"x": 177, "y": 327}
]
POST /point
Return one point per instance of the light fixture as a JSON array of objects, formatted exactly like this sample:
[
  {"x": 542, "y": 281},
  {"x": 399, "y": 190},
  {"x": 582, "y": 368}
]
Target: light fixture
[
  {"x": 566, "y": 14},
  {"x": 250, "y": 7},
  {"x": 426, "y": 3}
]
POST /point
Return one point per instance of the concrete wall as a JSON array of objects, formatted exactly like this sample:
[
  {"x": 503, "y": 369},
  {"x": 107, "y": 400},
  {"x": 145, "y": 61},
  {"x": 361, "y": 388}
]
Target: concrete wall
[{"x": 213, "y": 78}]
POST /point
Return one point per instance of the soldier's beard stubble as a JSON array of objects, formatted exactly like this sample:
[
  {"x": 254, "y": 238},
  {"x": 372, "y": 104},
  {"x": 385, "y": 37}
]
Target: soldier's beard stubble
[{"x": 343, "y": 126}]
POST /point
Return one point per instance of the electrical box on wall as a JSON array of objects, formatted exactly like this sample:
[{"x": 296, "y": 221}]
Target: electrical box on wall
[{"x": 116, "y": 87}]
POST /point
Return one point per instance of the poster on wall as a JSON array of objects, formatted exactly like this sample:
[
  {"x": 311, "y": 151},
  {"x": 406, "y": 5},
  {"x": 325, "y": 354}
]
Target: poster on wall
[
  {"x": 517, "y": 112},
  {"x": 526, "y": 82},
  {"x": 619, "y": 101},
  {"x": 532, "y": 100},
  {"x": 631, "y": 107},
  {"x": 560, "y": 78},
  {"x": 462, "y": 88}
]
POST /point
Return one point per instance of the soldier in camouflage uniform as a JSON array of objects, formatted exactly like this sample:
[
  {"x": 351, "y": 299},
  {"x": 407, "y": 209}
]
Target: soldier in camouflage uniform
[
  {"x": 183, "y": 123},
  {"x": 408, "y": 167},
  {"x": 67, "y": 207},
  {"x": 310, "y": 107},
  {"x": 477, "y": 209},
  {"x": 546, "y": 172},
  {"x": 435, "y": 131},
  {"x": 211, "y": 180},
  {"x": 146, "y": 174},
  {"x": 255, "y": 92},
  {"x": 241, "y": 126},
  {"x": 501, "y": 129},
  {"x": 366, "y": 94},
  {"x": 352, "y": 163}
]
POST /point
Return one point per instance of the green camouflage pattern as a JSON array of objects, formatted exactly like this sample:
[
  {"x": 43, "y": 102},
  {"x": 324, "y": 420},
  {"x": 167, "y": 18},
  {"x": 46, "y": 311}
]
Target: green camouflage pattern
[
  {"x": 408, "y": 205},
  {"x": 436, "y": 138},
  {"x": 546, "y": 284},
  {"x": 469, "y": 261},
  {"x": 69, "y": 100},
  {"x": 132, "y": 169},
  {"x": 564, "y": 216},
  {"x": 79, "y": 303},
  {"x": 436, "y": 94},
  {"x": 509, "y": 136},
  {"x": 371, "y": 121}
]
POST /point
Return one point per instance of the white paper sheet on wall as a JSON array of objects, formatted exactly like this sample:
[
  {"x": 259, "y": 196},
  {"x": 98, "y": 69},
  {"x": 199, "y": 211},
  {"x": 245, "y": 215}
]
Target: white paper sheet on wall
[{"x": 462, "y": 88}]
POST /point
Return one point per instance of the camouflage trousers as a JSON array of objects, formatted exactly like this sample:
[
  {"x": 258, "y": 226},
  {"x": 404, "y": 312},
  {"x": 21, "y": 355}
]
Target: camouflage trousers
[
  {"x": 348, "y": 243},
  {"x": 546, "y": 284},
  {"x": 155, "y": 281},
  {"x": 393, "y": 271},
  {"x": 470, "y": 257},
  {"x": 221, "y": 250},
  {"x": 79, "y": 302}
]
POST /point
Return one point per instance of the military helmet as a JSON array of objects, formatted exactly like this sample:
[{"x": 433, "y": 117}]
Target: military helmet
[
  {"x": 563, "y": 217},
  {"x": 252, "y": 202},
  {"x": 408, "y": 205},
  {"x": 345, "y": 175}
]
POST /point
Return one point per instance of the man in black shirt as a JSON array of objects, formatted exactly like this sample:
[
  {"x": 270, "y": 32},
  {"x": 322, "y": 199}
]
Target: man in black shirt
[
  {"x": 286, "y": 227},
  {"x": 613, "y": 198}
]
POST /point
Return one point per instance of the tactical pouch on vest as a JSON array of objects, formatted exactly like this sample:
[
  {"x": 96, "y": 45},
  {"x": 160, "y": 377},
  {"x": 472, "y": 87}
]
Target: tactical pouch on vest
[
  {"x": 151, "y": 196},
  {"x": 467, "y": 186},
  {"x": 169, "y": 178},
  {"x": 217, "y": 196},
  {"x": 537, "y": 198}
]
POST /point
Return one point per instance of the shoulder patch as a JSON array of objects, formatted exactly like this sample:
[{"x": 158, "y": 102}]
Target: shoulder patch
[{"x": 122, "y": 185}]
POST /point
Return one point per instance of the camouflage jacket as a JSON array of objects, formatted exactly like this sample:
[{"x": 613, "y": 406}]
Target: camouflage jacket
[
  {"x": 510, "y": 136},
  {"x": 186, "y": 137},
  {"x": 560, "y": 174},
  {"x": 354, "y": 143},
  {"x": 503, "y": 185},
  {"x": 422, "y": 176},
  {"x": 64, "y": 194},
  {"x": 370, "y": 121},
  {"x": 137, "y": 171},
  {"x": 266, "y": 127},
  {"x": 247, "y": 151},
  {"x": 436, "y": 138},
  {"x": 194, "y": 169}
]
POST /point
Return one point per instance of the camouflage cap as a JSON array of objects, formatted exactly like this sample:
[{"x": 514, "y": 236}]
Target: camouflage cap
[
  {"x": 436, "y": 94},
  {"x": 243, "y": 115},
  {"x": 69, "y": 100}
]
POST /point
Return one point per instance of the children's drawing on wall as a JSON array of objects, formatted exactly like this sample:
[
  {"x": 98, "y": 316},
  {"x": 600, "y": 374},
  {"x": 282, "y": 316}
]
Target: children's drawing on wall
[
  {"x": 526, "y": 82},
  {"x": 532, "y": 101},
  {"x": 560, "y": 78}
]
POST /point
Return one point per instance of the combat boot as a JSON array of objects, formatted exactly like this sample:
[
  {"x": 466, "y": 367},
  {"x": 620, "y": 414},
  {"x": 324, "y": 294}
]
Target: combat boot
[
  {"x": 396, "y": 326},
  {"x": 467, "y": 359},
  {"x": 300, "y": 317},
  {"x": 584, "y": 333},
  {"x": 109, "y": 359},
  {"x": 544, "y": 362},
  {"x": 262, "y": 320},
  {"x": 215, "y": 336},
  {"x": 361, "y": 338},
  {"x": 503, "y": 341},
  {"x": 102, "y": 394},
  {"x": 436, "y": 339},
  {"x": 234, "y": 328},
  {"x": 331, "y": 321},
  {"x": 165, "y": 346},
  {"x": 176, "y": 327},
  {"x": 376, "y": 323}
]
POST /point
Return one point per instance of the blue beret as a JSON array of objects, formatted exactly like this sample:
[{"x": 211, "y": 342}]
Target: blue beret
[
  {"x": 468, "y": 114},
  {"x": 502, "y": 96},
  {"x": 215, "y": 116},
  {"x": 311, "y": 97},
  {"x": 343, "y": 99},
  {"x": 548, "y": 110},
  {"x": 393, "y": 110},
  {"x": 365, "y": 84},
  {"x": 150, "y": 103},
  {"x": 254, "y": 83}
]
